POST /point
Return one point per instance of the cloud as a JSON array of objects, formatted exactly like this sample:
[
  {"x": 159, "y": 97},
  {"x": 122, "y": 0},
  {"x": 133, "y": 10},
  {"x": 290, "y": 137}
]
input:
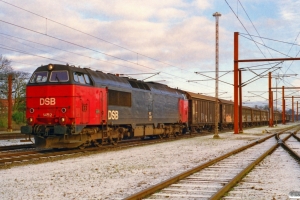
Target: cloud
[
  {"x": 202, "y": 5},
  {"x": 173, "y": 36},
  {"x": 289, "y": 9}
]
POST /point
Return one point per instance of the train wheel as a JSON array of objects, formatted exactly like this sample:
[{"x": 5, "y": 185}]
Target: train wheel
[
  {"x": 86, "y": 144},
  {"x": 115, "y": 141},
  {"x": 95, "y": 143}
]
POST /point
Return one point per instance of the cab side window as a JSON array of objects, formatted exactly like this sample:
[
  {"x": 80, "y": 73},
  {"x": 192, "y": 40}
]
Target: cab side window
[
  {"x": 87, "y": 79},
  {"x": 81, "y": 78}
]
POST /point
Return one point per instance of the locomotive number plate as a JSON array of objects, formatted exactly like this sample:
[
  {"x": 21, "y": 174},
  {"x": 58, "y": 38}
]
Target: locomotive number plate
[{"x": 47, "y": 114}]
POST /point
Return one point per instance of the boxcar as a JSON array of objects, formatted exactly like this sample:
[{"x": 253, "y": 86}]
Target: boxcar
[
  {"x": 246, "y": 116},
  {"x": 226, "y": 114},
  {"x": 201, "y": 111}
]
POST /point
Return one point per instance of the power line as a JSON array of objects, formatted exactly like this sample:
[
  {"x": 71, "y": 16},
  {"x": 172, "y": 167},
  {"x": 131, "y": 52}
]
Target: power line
[
  {"x": 244, "y": 27},
  {"x": 256, "y": 43},
  {"x": 266, "y": 46},
  {"x": 61, "y": 50},
  {"x": 47, "y": 19},
  {"x": 252, "y": 24},
  {"x": 271, "y": 39},
  {"x": 24, "y": 52},
  {"x": 47, "y": 35}
]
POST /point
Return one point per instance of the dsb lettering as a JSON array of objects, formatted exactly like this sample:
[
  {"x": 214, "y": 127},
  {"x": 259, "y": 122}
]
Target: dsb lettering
[{"x": 47, "y": 101}]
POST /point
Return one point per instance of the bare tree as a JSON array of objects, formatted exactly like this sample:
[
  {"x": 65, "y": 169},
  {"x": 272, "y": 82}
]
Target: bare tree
[
  {"x": 5, "y": 69},
  {"x": 5, "y": 65},
  {"x": 18, "y": 87}
]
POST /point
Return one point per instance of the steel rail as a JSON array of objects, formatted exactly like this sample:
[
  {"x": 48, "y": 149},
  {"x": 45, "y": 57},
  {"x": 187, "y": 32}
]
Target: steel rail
[
  {"x": 296, "y": 137},
  {"x": 13, "y": 147},
  {"x": 290, "y": 150},
  {"x": 10, "y": 157},
  {"x": 166, "y": 183},
  {"x": 4, "y": 136},
  {"x": 220, "y": 193}
]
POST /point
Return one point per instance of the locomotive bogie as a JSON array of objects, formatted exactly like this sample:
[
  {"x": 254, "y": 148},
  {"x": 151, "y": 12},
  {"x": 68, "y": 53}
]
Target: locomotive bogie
[{"x": 162, "y": 131}]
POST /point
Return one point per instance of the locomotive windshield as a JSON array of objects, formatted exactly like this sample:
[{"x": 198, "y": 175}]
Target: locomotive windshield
[
  {"x": 59, "y": 76},
  {"x": 39, "y": 77}
]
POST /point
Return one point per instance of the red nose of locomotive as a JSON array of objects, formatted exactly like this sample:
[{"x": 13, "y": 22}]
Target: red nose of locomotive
[
  {"x": 50, "y": 111},
  {"x": 50, "y": 99}
]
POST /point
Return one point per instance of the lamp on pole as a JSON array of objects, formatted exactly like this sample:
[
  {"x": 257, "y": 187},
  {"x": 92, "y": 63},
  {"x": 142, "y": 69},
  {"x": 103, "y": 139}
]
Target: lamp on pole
[{"x": 217, "y": 15}]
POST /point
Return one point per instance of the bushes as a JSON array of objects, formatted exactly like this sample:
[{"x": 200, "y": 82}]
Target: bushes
[
  {"x": 18, "y": 117},
  {"x": 3, "y": 122}
]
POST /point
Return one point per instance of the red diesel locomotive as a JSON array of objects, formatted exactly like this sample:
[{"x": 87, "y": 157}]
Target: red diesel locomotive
[{"x": 69, "y": 107}]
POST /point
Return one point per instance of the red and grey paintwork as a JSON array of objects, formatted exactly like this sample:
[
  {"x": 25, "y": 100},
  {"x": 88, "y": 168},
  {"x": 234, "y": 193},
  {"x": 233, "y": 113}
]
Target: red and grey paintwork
[{"x": 69, "y": 107}]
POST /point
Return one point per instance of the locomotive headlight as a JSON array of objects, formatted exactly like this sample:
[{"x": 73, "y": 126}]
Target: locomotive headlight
[
  {"x": 30, "y": 120},
  {"x": 50, "y": 67},
  {"x": 62, "y": 120}
]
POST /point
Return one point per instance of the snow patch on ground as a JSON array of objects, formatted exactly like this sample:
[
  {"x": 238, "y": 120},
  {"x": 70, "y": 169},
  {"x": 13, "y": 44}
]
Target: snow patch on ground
[{"x": 118, "y": 174}]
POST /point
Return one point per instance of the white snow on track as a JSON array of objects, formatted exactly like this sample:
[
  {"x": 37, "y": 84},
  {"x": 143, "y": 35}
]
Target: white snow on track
[{"x": 118, "y": 174}]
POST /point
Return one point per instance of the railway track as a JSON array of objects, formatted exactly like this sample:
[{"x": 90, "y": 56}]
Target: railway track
[
  {"x": 5, "y": 136},
  {"x": 25, "y": 156},
  {"x": 212, "y": 180},
  {"x": 15, "y": 147},
  {"x": 8, "y": 158},
  {"x": 264, "y": 180}
]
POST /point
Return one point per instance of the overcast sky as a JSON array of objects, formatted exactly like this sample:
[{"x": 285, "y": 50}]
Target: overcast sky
[{"x": 174, "y": 38}]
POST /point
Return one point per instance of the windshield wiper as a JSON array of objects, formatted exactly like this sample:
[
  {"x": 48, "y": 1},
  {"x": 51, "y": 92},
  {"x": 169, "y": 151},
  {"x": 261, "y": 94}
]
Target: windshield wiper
[{"x": 56, "y": 77}]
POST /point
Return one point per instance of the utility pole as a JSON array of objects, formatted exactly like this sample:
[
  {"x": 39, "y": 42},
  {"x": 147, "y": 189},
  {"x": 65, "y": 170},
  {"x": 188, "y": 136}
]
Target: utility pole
[
  {"x": 216, "y": 135},
  {"x": 9, "y": 99}
]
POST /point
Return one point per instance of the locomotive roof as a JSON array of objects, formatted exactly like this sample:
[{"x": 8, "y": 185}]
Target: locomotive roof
[{"x": 101, "y": 79}]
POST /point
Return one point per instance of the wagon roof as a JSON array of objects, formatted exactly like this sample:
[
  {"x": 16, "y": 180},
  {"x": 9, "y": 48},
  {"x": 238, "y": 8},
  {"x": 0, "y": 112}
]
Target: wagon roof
[
  {"x": 226, "y": 101},
  {"x": 199, "y": 96}
]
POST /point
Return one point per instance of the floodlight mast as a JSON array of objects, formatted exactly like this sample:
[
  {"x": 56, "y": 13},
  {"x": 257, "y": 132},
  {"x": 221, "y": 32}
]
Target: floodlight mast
[{"x": 217, "y": 15}]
